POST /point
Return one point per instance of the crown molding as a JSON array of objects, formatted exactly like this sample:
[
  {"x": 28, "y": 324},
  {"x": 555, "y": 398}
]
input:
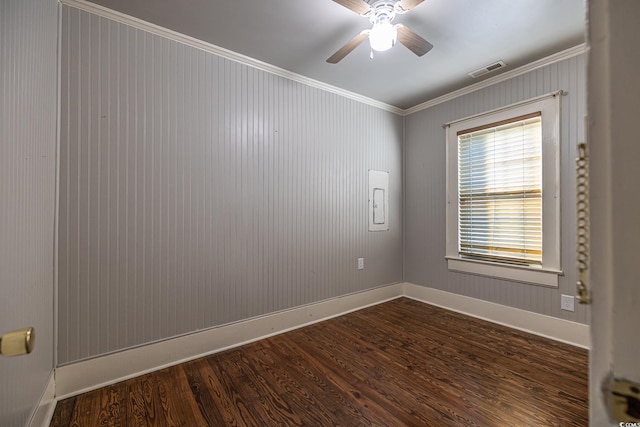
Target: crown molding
[
  {"x": 140, "y": 24},
  {"x": 551, "y": 59}
]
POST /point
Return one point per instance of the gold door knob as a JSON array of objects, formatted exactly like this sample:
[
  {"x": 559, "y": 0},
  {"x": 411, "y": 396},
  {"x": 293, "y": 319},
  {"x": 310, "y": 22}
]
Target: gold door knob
[{"x": 18, "y": 342}]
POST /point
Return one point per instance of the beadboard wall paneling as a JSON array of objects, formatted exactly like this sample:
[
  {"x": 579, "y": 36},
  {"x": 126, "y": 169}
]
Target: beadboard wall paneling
[
  {"x": 425, "y": 189},
  {"x": 28, "y": 97},
  {"x": 196, "y": 191}
]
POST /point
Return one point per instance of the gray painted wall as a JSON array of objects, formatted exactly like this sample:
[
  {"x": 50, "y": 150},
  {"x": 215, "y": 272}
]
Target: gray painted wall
[
  {"x": 28, "y": 66},
  {"x": 195, "y": 191},
  {"x": 425, "y": 197}
]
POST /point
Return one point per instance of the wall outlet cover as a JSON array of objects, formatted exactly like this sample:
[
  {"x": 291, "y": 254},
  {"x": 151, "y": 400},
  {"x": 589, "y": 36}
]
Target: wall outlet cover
[{"x": 566, "y": 302}]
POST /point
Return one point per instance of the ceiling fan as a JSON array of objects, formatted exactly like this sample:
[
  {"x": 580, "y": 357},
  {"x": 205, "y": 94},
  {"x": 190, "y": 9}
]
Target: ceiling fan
[{"x": 383, "y": 35}]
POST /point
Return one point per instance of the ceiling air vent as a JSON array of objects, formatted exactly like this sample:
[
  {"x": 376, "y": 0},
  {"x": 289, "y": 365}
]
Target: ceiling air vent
[{"x": 487, "y": 69}]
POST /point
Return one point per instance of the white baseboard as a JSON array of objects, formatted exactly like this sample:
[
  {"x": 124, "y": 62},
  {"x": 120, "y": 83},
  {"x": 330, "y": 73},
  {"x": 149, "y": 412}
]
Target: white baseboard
[
  {"x": 94, "y": 373},
  {"x": 573, "y": 333},
  {"x": 44, "y": 412}
]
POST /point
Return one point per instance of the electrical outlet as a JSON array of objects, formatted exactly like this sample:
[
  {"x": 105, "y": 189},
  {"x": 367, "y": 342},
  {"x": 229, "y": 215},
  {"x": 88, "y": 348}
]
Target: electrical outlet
[
  {"x": 566, "y": 302},
  {"x": 360, "y": 263}
]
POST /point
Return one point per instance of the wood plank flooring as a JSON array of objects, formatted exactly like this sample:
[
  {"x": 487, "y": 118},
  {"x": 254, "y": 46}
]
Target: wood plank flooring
[{"x": 401, "y": 363}]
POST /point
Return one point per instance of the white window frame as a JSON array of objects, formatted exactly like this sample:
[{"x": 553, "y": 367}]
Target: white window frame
[{"x": 547, "y": 273}]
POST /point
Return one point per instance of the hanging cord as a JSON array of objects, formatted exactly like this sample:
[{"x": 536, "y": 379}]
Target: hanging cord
[{"x": 582, "y": 219}]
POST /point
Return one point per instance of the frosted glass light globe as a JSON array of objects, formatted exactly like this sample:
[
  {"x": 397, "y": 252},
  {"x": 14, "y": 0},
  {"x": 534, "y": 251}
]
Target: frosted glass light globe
[{"x": 383, "y": 36}]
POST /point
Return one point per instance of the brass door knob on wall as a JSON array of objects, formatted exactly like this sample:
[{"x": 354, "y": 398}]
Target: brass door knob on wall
[{"x": 18, "y": 342}]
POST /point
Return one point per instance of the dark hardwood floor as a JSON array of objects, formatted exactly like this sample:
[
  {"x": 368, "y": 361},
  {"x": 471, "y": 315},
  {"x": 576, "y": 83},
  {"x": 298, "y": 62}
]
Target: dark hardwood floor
[{"x": 401, "y": 363}]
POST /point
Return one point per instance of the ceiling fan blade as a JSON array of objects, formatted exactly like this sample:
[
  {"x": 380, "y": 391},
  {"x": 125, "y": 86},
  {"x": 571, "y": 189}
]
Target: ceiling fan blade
[
  {"x": 358, "y": 6},
  {"x": 409, "y": 4},
  {"x": 347, "y": 48},
  {"x": 412, "y": 41}
]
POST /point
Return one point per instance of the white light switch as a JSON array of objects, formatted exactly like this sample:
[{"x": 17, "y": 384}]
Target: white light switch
[{"x": 360, "y": 263}]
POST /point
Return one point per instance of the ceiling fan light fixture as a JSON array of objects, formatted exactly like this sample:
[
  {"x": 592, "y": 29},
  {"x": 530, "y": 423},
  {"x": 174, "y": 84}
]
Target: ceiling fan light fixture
[{"x": 383, "y": 36}]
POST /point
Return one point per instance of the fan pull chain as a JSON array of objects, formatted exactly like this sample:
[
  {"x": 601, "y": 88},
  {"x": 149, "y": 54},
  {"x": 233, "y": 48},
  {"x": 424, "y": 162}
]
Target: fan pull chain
[{"x": 582, "y": 220}]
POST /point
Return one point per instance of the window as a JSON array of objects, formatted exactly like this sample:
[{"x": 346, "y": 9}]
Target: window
[
  {"x": 503, "y": 193},
  {"x": 500, "y": 191}
]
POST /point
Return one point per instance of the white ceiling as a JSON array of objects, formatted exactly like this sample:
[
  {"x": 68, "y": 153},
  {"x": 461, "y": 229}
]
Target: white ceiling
[{"x": 299, "y": 35}]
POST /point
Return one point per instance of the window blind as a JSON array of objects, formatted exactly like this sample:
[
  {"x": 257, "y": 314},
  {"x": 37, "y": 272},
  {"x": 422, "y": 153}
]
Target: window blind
[{"x": 500, "y": 191}]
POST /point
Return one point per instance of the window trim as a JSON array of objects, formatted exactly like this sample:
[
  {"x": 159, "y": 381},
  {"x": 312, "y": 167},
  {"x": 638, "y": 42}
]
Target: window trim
[{"x": 547, "y": 273}]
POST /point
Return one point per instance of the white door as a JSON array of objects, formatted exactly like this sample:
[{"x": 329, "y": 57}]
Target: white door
[
  {"x": 28, "y": 85},
  {"x": 614, "y": 140}
]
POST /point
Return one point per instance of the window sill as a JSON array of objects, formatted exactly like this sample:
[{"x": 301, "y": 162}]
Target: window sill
[{"x": 536, "y": 276}]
